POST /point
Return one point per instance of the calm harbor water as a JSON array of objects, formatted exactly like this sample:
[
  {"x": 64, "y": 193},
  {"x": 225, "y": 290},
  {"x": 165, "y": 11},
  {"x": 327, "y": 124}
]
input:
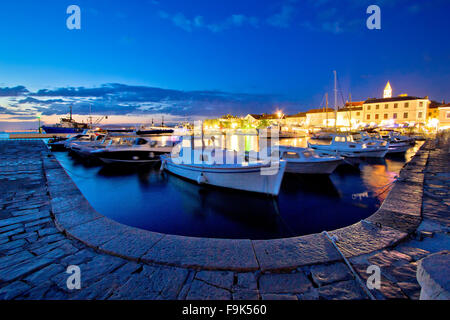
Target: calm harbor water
[{"x": 144, "y": 197}]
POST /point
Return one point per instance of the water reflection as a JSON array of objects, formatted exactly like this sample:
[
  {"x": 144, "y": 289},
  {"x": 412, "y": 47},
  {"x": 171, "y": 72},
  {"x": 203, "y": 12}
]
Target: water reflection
[{"x": 146, "y": 198}]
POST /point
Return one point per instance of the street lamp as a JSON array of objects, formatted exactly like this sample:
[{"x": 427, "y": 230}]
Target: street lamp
[{"x": 39, "y": 123}]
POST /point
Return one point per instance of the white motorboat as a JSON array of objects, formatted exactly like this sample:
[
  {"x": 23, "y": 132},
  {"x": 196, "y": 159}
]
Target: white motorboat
[
  {"x": 201, "y": 167},
  {"x": 396, "y": 144},
  {"x": 63, "y": 143},
  {"x": 84, "y": 150},
  {"x": 84, "y": 141},
  {"x": 344, "y": 145},
  {"x": 87, "y": 137},
  {"x": 307, "y": 161},
  {"x": 391, "y": 135},
  {"x": 133, "y": 151}
]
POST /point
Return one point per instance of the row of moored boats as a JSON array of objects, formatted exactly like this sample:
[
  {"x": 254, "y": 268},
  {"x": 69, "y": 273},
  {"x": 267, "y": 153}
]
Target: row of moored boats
[{"x": 253, "y": 171}]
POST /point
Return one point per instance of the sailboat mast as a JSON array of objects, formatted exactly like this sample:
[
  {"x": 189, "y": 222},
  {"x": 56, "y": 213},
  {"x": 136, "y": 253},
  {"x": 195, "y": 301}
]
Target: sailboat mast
[
  {"x": 351, "y": 106},
  {"x": 326, "y": 107},
  {"x": 335, "y": 101},
  {"x": 70, "y": 113}
]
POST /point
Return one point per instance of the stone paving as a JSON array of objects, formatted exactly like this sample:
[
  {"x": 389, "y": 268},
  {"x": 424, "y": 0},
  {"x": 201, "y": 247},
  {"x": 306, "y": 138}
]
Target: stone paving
[{"x": 35, "y": 254}]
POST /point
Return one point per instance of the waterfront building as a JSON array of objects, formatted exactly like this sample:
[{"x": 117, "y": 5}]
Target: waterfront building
[
  {"x": 320, "y": 117},
  {"x": 295, "y": 120},
  {"x": 389, "y": 110},
  {"x": 444, "y": 117},
  {"x": 398, "y": 110},
  {"x": 264, "y": 120}
]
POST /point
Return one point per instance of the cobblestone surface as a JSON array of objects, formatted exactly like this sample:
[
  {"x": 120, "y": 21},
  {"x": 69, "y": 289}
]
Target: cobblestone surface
[{"x": 35, "y": 254}]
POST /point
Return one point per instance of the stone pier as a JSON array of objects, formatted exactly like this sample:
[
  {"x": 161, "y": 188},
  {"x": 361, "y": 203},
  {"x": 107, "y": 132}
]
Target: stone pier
[{"x": 47, "y": 225}]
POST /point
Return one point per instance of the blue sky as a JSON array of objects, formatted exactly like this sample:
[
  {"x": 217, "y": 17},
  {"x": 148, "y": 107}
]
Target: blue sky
[{"x": 216, "y": 56}]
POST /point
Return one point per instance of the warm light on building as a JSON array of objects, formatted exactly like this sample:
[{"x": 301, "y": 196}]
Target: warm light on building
[{"x": 387, "y": 91}]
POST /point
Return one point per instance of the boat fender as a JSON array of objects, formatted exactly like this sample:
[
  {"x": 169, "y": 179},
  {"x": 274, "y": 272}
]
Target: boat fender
[
  {"x": 163, "y": 165},
  {"x": 201, "y": 179}
]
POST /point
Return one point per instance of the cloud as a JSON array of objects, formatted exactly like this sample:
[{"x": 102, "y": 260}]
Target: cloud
[
  {"x": 11, "y": 92},
  {"x": 122, "y": 99},
  {"x": 234, "y": 20},
  {"x": 283, "y": 18}
]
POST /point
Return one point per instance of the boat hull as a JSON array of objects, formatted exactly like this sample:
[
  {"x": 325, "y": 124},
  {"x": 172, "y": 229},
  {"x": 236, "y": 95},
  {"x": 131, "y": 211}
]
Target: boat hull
[
  {"x": 322, "y": 167},
  {"x": 399, "y": 148},
  {"x": 243, "y": 178},
  {"x": 61, "y": 130},
  {"x": 368, "y": 153},
  {"x": 128, "y": 157}
]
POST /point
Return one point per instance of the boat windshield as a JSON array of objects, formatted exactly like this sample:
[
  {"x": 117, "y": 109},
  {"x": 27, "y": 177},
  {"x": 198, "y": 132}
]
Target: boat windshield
[{"x": 291, "y": 155}]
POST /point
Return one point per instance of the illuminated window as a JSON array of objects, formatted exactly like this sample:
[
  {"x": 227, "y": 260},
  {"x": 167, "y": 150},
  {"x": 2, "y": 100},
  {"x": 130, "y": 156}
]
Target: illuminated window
[
  {"x": 395, "y": 105},
  {"x": 368, "y": 107},
  {"x": 447, "y": 115},
  {"x": 394, "y": 116},
  {"x": 376, "y": 116},
  {"x": 421, "y": 104},
  {"x": 420, "y": 115},
  {"x": 385, "y": 115},
  {"x": 405, "y": 115},
  {"x": 386, "y": 106},
  {"x": 368, "y": 117},
  {"x": 357, "y": 113},
  {"x": 377, "y": 107},
  {"x": 406, "y": 104}
]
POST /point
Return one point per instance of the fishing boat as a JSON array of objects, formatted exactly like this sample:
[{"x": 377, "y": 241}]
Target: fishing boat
[
  {"x": 133, "y": 151},
  {"x": 66, "y": 125},
  {"x": 344, "y": 145},
  {"x": 308, "y": 161},
  {"x": 253, "y": 176}
]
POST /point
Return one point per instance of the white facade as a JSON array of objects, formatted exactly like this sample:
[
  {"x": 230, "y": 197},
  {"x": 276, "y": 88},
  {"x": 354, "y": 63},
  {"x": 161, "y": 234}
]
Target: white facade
[{"x": 403, "y": 110}]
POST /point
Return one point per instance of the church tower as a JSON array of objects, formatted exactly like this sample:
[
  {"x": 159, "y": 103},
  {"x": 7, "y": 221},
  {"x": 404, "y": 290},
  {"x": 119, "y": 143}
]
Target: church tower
[{"x": 387, "y": 91}]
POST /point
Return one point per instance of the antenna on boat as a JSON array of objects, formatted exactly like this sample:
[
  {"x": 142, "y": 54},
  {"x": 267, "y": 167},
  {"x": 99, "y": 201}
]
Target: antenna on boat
[{"x": 335, "y": 101}]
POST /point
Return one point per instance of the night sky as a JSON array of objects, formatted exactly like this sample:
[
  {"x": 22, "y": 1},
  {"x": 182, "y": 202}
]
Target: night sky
[{"x": 188, "y": 59}]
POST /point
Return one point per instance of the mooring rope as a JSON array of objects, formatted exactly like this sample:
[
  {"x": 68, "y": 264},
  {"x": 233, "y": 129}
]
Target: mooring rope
[{"x": 357, "y": 277}]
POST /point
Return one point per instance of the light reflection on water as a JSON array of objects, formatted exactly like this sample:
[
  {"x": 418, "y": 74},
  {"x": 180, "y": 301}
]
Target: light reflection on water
[{"x": 143, "y": 197}]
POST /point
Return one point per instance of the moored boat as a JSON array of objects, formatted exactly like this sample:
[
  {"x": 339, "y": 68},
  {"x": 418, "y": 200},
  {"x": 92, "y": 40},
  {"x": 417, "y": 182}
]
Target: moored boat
[
  {"x": 66, "y": 125},
  {"x": 253, "y": 176},
  {"x": 307, "y": 161},
  {"x": 133, "y": 151},
  {"x": 344, "y": 145}
]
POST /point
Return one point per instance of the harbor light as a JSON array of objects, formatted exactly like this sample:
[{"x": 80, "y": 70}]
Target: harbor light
[{"x": 279, "y": 114}]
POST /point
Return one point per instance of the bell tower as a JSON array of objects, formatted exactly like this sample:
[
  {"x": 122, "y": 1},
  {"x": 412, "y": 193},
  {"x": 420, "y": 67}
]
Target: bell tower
[{"x": 387, "y": 91}]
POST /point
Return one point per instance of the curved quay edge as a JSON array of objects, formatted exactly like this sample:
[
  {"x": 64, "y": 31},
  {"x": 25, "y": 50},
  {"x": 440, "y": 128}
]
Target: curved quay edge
[{"x": 398, "y": 216}]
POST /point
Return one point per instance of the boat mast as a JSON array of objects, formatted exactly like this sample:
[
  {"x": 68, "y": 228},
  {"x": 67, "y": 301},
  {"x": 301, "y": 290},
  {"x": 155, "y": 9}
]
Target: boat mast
[
  {"x": 350, "y": 110},
  {"x": 90, "y": 115},
  {"x": 335, "y": 101},
  {"x": 326, "y": 107},
  {"x": 70, "y": 113}
]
